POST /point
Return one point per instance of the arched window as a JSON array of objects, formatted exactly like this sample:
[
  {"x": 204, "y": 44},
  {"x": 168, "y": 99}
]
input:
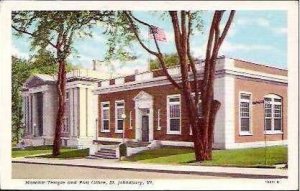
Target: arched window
[{"x": 273, "y": 113}]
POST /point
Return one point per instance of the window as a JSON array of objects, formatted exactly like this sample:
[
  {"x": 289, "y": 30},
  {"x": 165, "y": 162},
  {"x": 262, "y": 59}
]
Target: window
[
  {"x": 273, "y": 114},
  {"x": 245, "y": 100},
  {"x": 105, "y": 117},
  {"x": 158, "y": 120},
  {"x": 66, "y": 127},
  {"x": 173, "y": 114},
  {"x": 120, "y": 109}
]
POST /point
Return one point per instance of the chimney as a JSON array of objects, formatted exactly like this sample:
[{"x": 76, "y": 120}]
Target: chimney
[
  {"x": 136, "y": 71},
  {"x": 94, "y": 64}
]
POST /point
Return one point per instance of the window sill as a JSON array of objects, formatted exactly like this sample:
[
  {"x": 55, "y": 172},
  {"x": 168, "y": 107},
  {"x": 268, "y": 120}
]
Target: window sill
[
  {"x": 173, "y": 132},
  {"x": 246, "y": 134},
  {"x": 118, "y": 131},
  {"x": 273, "y": 132},
  {"x": 105, "y": 131}
]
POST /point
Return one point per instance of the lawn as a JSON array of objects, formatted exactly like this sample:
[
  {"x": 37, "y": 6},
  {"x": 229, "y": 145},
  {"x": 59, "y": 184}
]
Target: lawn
[
  {"x": 253, "y": 157},
  {"x": 45, "y": 151}
]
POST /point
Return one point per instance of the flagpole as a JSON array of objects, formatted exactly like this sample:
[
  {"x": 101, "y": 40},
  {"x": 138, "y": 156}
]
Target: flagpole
[{"x": 148, "y": 64}]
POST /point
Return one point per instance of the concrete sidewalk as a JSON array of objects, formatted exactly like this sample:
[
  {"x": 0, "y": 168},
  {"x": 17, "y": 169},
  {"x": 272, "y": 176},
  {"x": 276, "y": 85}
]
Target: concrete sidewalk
[{"x": 181, "y": 169}]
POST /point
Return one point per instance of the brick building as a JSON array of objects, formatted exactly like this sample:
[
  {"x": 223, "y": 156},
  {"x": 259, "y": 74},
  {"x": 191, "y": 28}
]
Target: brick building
[{"x": 145, "y": 107}]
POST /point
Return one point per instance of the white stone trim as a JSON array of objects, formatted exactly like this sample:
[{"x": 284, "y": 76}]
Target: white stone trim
[
  {"x": 226, "y": 114},
  {"x": 158, "y": 120},
  {"x": 110, "y": 139},
  {"x": 119, "y": 81},
  {"x": 250, "y": 132},
  {"x": 81, "y": 84},
  {"x": 143, "y": 100},
  {"x": 255, "y": 144},
  {"x": 168, "y": 115},
  {"x": 42, "y": 88},
  {"x": 143, "y": 76},
  {"x": 224, "y": 66},
  {"x": 105, "y": 83},
  {"x": 258, "y": 75},
  {"x": 176, "y": 143}
]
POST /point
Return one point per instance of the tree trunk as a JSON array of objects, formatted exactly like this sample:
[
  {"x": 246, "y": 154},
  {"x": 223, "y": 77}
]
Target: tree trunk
[
  {"x": 215, "y": 107},
  {"x": 61, "y": 83}
]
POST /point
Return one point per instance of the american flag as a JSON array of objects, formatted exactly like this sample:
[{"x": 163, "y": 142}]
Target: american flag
[{"x": 158, "y": 33}]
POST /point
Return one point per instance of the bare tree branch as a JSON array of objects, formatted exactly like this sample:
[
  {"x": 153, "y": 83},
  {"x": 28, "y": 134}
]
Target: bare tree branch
[
  {"x": 157, "y": 54},
  {"x": 31, "y": 34},
  {"x": 226, "y": 28},
  {"x": 191, "y": 60}
]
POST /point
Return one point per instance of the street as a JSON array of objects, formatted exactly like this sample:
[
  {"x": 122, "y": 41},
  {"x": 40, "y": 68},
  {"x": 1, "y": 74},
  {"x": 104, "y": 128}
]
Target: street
[{"x": 41, "y": 171}]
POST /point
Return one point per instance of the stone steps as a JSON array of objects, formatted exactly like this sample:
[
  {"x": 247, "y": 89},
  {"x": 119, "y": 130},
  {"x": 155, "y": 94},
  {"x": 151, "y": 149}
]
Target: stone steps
[{"x": 106, "y": 153}]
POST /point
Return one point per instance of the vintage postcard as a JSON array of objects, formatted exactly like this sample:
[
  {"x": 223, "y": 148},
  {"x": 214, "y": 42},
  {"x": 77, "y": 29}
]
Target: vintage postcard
[{"x": 139, "y": 95}]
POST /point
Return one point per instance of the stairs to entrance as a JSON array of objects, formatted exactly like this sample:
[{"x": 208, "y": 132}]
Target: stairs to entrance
[{"x": 106, "y": 153}]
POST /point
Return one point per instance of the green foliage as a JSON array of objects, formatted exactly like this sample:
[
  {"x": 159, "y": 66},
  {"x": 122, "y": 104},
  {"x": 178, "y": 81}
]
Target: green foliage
[
  {"x": 21, "y": 71},
  {"x": 56, "y": 30},
  {"x": 170, "y": 59},
  {"x": 45, "y": 151},
  {"x": 252, "y": 157},
  {"x": 120, "y": 39},
  {"x": 69, "y": 154}
]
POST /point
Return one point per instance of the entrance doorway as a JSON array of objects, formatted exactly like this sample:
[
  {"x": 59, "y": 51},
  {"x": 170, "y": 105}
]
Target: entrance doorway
[{"x": 145, "y": 128}]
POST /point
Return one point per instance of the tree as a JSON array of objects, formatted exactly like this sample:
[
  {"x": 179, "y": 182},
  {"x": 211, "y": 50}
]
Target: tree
[
  {"x": 170, "y": 59},
  {"x": 183, "y": 23},
  {"x": 21, "y": 70},
  {"x": 56, "y": 31}
]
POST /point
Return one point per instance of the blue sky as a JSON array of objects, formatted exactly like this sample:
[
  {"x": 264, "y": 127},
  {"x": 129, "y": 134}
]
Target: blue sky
[{"x": 256, "y": 36}]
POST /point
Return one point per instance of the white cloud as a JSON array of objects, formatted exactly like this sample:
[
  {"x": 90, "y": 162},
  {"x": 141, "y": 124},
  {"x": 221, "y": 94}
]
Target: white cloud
[
  {"x": 170, "y": 36},
  {"x": 18, "y": 53},
  {"x": 232, "y": 30},
  {"x": 228, "y": 47},
  {"x": 261, "y": 22},
  {"x": 281, "y": 30},
  {"x": 98, "y": 38}
]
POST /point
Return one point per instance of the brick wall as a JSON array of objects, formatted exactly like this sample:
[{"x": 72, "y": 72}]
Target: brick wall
[
  {"x": 259, "y": 89},
  {"x": 159, "y": 102}
]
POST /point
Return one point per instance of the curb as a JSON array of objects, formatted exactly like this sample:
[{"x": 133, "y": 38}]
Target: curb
[{"x": 206, "y": 173}]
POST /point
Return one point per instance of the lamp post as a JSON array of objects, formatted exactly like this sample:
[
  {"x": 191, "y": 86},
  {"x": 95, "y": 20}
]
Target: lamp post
[
  {"x": 33, "y": 130},
  {"x": 96, "y": 129},
  {"x": 123, "y": 117}
]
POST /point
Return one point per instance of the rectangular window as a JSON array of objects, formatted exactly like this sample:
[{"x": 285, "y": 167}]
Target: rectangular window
[
  {"x": 105, "y": 117},
  {"x": 174, "y": 114},
  {"x": 120, "y": 109},
  {"x": 268, "y": 114},
  {"x": 273, "y": 114},
  {"x": 245, "y": 100},
  {"x": 158, "y": 120},
  {"x": 67, "y": 111}
]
